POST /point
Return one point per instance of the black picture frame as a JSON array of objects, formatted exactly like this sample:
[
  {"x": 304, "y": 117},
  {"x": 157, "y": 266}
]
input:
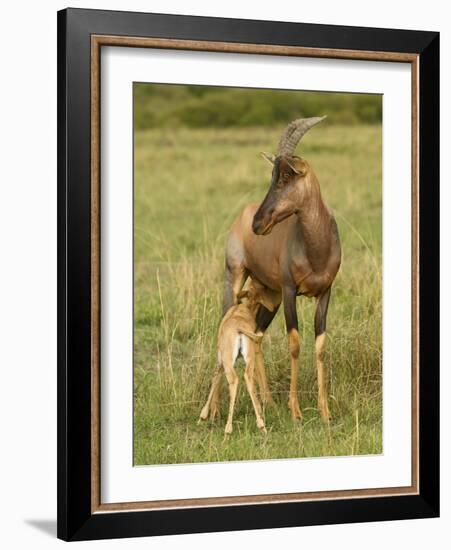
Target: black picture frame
[{"x": 76, "y": 521}]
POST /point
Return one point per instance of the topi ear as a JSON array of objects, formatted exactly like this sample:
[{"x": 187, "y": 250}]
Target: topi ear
[
  {"x": 293, "y": 167},
  {"x": 269, "y": 157}
]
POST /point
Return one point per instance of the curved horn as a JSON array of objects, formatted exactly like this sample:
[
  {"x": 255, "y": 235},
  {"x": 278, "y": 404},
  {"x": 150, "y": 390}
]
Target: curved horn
[{"x": 294, "y": 132}]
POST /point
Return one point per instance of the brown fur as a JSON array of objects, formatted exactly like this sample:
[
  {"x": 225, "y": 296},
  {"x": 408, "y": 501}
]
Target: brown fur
[{"x": 290, "y": 244}]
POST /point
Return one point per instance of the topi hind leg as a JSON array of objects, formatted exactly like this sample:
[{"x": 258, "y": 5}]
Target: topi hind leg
[
  {"x": 320, "y": 344},
  {"x": 234, "y": 278}
]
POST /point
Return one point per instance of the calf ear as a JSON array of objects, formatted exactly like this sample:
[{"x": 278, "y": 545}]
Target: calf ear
[
  {"x": 265, "y": 301},
  {"x": 243, "y": 294},
  {"x": 267, "y": 156}
]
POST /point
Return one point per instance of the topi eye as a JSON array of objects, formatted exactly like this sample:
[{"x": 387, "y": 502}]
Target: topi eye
[{"x": 284, "y": 178}]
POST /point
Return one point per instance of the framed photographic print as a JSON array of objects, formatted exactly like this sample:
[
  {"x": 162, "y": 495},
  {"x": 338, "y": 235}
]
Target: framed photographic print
[{"x": 248, "y": 274}]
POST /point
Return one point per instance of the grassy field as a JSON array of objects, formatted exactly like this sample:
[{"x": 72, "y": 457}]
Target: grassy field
[{"x": 189, "y": 186}]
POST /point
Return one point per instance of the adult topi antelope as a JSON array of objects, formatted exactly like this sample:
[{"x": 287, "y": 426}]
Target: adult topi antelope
[{"x": 290, "y": 244}]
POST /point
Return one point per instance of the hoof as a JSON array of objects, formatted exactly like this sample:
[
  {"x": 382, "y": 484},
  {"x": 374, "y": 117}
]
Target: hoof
[
  {"x": 296, "y": 413},
  {"x": 324, "y": 412},
  {"x": 228, "y": 429},
  {"x": 203, "y": 415},
  {"x": 326, "y": 416},
  {"x": 214, "y": 414},
  {"x": 261, "y": 425}
]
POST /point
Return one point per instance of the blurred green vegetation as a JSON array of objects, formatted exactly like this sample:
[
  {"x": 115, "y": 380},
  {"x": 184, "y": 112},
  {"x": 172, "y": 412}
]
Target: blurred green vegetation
[{"x": 174, "y": 105}]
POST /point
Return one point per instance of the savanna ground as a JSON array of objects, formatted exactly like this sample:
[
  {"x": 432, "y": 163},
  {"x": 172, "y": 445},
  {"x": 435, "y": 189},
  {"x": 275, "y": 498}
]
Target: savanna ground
[{"x": 190, "y": 184}]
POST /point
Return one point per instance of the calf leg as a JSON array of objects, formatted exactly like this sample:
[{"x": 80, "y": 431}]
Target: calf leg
[
  {"x": 262, "y": 380},
  {"x": 214, "y": 386},
  {"x": 215, "y": 401},
  {"x": 232, "y": 379},
  {"x": 320, "y": 344},
  {"x": 249, "y": 357},
  {"x": 234, "y": 278}
]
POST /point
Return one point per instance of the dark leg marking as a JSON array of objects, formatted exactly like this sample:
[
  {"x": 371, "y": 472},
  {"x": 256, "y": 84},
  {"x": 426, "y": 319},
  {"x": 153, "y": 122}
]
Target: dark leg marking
[
  {"x": 321, "y": 313},
  {"x": 265, "y": 317},
  {"x": 289, "y": 306}
]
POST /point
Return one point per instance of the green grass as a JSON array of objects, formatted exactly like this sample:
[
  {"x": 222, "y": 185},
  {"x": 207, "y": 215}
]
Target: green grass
[{"x": 189, "y": 186}]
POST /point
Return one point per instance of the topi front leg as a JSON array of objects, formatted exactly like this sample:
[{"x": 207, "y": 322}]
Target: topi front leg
[
  {"x": 263, "y": 320},
  {"x": 320, "y": 344},
  {"x": 291, "y": 319}
]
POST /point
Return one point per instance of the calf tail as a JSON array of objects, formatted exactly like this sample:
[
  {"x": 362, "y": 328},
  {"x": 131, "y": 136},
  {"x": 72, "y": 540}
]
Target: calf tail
[{"x": 252, "y": 335}]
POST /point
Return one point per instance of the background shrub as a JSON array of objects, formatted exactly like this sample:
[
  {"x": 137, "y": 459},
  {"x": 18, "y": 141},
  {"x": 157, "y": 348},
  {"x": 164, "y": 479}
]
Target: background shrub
[{"x": 163, "y": 105}]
